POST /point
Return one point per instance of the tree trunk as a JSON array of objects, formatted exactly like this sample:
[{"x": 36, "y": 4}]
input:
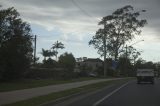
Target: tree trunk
[
  {"x": 105, "y": 65},
  {"x": 116, "y": 55},
  {"x": 56, "y": 54}
]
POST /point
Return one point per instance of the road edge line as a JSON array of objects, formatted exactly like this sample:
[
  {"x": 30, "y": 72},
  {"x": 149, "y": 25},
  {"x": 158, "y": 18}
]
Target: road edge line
[{"x": 110, "y": 94}]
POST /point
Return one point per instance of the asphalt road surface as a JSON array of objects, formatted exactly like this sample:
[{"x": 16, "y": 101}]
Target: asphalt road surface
[{"x": 128, "y": 94}]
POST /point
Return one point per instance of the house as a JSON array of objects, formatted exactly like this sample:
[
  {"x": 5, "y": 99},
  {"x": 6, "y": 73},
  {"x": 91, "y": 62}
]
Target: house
[
  {"x": 90, "y": 64},
  {"x": 94, "y": 63}
]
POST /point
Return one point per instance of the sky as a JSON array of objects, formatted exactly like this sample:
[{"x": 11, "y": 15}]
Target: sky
[{"x": 74, "y": 22}]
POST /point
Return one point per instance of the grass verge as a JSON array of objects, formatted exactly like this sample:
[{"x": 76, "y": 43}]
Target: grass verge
[
  {"x": 25, "y": 84},
  {"x": 53, "y": 96}
]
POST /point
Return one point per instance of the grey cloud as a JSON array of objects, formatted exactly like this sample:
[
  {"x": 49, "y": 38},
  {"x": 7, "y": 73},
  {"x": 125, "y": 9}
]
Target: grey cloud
[{"x": 65, "y": 12}]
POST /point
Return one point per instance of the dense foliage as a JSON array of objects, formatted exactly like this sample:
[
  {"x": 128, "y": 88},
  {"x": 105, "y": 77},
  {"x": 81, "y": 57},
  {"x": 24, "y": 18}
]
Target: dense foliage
[
  {"x": 15, "y": 45},
  {"x": 67, "y": 60},
  {"x": 117, "y": 29}
]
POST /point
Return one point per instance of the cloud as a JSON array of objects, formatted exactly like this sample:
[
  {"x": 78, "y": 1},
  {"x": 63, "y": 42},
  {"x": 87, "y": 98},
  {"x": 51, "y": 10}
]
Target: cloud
[
  {"x": 69, "y": 18},
  {"x": 74, "y": 22}
]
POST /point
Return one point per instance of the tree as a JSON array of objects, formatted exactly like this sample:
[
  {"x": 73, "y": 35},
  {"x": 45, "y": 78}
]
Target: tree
[
  {"x": 15, "y": 45},
  {"x": 47, "y": 53},
  {"x": 57, "y": 45},
  {"x": 49, "y": 63},
  {"x": 67, "y": 60},
  {"x": 123, "y": 64},
  {"x": 44, "y": 53},
  {"x": 118, "y": 28},
  {"x": 140, "y": 63},
  {"x": 128, "y": 60},
  {"x": 132, "y": 54}
]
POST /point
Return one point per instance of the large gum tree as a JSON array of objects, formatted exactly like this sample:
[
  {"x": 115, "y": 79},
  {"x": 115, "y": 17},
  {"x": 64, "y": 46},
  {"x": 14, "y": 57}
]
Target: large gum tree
[{"x": 118, "y": 28}]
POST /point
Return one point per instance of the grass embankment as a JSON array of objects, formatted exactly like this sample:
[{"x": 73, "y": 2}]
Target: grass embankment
[
  {"x": 25, "y": 84},
  {"x": 53, "y": 96}
]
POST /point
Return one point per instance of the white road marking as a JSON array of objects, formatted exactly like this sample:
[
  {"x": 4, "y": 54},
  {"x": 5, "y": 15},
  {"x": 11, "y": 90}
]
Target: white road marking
[{"x": 110, "y": 94}]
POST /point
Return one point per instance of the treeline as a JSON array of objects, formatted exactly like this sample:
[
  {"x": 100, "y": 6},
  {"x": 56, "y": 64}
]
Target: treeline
[
  {"x": 16, "y": 51},
  {"x": 61, "y": 68},
  {"x": 123, "y": 68},
  {"x": 15, "y": 45}
]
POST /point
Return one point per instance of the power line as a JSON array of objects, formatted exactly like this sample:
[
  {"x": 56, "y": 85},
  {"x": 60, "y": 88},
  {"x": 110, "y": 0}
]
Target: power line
[{"x": 85, "y": 12}]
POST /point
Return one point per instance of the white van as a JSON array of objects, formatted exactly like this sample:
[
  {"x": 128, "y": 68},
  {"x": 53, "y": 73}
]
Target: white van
[{"x": 145, "y": 75}]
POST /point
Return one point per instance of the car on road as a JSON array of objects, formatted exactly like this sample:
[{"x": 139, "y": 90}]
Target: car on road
[{"x": 145, "y": 75}]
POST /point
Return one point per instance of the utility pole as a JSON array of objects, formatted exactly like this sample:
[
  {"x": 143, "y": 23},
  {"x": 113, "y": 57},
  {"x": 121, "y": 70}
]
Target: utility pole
[
  {"x": 105, "y": 51},
  {"x": 126, "y": 60},
  {"x": 35, "y": 41},
  {"x": 105, "y": 65},
  {"x": 127, "y": 54}
]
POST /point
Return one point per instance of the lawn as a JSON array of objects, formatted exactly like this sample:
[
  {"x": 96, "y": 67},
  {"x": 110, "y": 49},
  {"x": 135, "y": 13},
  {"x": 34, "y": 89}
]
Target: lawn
[
  {"x": 53, "y": 96},
  {"x": 25, "y": 84}
]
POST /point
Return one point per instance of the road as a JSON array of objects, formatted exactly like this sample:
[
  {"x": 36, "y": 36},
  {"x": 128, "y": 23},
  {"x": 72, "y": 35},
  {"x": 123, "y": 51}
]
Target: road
[{"x": 129, "y": 94}]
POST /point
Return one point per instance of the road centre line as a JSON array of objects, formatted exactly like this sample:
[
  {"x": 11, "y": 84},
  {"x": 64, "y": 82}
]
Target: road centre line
[{"x": 110, "y": 94}]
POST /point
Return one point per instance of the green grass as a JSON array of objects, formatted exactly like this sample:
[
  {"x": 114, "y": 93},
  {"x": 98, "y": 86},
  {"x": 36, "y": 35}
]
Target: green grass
[
  {"x": 25, "y": 84},
  {"x": 53, "y": 96}
]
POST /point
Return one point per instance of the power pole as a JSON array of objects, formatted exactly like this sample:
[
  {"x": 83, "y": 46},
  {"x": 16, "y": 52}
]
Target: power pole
[
  {"x": 126, "y": 58},
  {"x": 126, "y": 61},
  {"x": 35, "y": 41},
  {"x": 105, "y": 51}
]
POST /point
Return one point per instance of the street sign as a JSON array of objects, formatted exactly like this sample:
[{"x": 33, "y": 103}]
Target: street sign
[{"x": 114, "y": 64}]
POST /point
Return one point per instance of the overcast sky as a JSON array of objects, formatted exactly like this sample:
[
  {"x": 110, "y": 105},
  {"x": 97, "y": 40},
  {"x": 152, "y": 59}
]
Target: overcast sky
[{"x": 74, "y": 22}]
